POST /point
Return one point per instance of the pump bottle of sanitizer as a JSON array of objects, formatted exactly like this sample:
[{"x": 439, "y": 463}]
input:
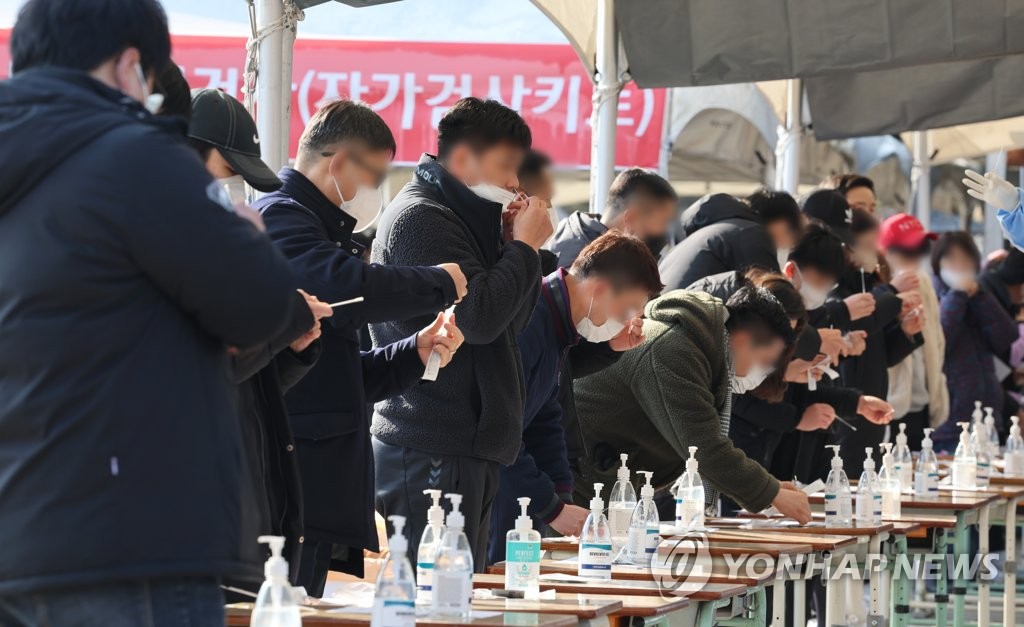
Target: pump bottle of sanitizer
[
  {"x": 394, "y": 602},
  {"x": 595, "y": 556},
  {"x": 453, "y": 568},
  {"x": 621, "y": 502},
  {"x": 644, "y": 526},
  {"x": 275, "y": 605},
  {"x": 429, "y": 542},
  {"x": 522, "y": 554}
]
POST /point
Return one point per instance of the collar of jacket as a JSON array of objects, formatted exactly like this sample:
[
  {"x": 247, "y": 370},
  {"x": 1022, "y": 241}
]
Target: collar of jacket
[
  {"x": 555, "y": 292},
  {"x": 339, "y": 224},
  {"x": 481, "y": 217}
]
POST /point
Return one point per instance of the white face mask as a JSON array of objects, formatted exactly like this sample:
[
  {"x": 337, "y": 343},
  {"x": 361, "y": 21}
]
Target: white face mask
[
  {"x": 753, "y": 378},
  {"x": 364, "y": 206},
  {"x": 493, "y": 193},
  {"x": 235, "y": 188},
  {"x": 152, "y": 102},
  {"x": 956, "y": 279},
  {"x": 782, "y": 256},
  {"x": 813, "y": 297},
  {"x": 598, "y": 333}
]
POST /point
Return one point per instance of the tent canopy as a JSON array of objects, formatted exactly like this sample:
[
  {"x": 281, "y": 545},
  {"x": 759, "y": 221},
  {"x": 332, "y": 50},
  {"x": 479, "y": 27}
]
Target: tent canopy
[{"x": 870, "y": 67}]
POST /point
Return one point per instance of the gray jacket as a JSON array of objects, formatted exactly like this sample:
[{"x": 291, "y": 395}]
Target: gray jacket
[{"x": 573, "y": 234}]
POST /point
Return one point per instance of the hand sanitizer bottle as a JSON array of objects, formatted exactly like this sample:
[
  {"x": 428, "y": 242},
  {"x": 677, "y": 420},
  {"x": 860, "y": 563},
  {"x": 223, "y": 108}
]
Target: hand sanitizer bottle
[
  {"x": 965, "y": 464},
  {"x": 838, "y": 499},
  {"x": 869, "y": 499},
  {"x": 595, "y": 557},
  {"x": 275, "y": 605},
  {"x": 621, "y": 502},
  {"x": 979, "y": 443},
  {"x": 690, "y": 490},
  {"x": 993, "y": 436},
  {"x": 1014, "y": 459},
  {"x": 903, "y": 460},
  {"x": 889, "y": 484},
  {"x": 926, "y": 479},
  {"x": 394, "y": 603},
  {"x": 644, "y": 526},
  {"x": 522, "y": 554},
  {"x": 429, "y": 542},
  {"x": 453, "y": 568}
]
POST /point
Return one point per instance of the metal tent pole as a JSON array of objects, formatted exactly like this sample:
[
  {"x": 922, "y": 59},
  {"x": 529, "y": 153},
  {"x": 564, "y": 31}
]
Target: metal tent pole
[
  {"x": 269, "y": 116},
  {"x": 604, "y": 117},
  {"x": 920, "y": 178},
  {"x": 787, "y": 149}
]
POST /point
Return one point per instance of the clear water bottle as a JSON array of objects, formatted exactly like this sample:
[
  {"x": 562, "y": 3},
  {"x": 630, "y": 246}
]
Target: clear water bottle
[
  {"x": 621, "y": 502},
  {"x": 453, "y": 568},
  {"x": 394, "y": 601},
  {"x": 838, "y": 498},
  {"x": 644, "y": 526},
  {"x": 429, "y": 542}
]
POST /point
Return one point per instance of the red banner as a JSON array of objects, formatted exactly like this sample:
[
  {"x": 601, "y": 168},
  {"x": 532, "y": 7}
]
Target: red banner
[{"x": 411, "y": 84}]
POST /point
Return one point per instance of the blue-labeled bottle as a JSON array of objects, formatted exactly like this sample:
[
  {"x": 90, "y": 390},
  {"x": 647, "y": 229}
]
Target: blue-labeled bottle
[
  {"x": 522, "y": 554},
  {"x": 595, "y": 557}
]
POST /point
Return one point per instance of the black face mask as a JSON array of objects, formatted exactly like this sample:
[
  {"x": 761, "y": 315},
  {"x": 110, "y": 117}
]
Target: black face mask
[{"x": 656, "y": 244}]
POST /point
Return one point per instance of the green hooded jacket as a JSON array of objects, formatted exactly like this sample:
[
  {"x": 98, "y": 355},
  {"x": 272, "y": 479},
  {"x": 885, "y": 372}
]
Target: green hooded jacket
[{"x": 663, "y": 396}]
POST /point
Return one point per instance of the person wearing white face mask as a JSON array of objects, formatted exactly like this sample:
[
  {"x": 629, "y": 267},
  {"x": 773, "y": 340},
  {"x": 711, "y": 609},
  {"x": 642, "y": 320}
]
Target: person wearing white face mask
[
  {"x": 598, "y": 299},
  {"x": 675, "y": 391},
  {"x": 464, "y": 204},
  {"x": 125, "y": 280},
  {"x": 975, "y": 327},
  {"x": 343, "y": 155}
]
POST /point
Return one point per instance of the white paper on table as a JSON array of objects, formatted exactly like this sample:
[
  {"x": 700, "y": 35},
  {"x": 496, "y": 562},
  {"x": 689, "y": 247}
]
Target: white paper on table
[{"x": 563, "y": 578}]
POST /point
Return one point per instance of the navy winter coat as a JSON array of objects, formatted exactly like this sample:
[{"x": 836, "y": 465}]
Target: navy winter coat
[
  {"x": 122, "y": 283},
  {"x": 328, "y": 407}
]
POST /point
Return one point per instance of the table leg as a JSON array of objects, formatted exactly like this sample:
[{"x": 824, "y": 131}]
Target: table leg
[
  {"x": 984, "y": 601},
  {"x": 941, "y": 585},
  {"x": 800, "y": 602},
  {"x": 876, "y": 618},
  {"x": 961, "y": 544},
  {"x": 834, "y": 593},
  {"x": 779, "y": 603},
  {"x": 900, "y": 611},
  {"x": 1010, "y": 565}
]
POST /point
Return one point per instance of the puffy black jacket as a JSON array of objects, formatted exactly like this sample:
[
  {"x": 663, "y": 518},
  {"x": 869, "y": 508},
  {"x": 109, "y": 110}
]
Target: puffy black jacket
[
  {"x": 328, "y": 407},
  {"x": 722, "y": 234},
  {"x": 121, "y": 285}
]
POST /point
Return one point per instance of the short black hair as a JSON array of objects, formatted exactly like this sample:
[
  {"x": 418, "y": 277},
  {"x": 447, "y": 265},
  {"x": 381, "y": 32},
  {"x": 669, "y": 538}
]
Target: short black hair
[
  {"x": 534, "y": 163},
  {"x": 774, "y": 386},
  {"x": 624, "y": 260},
  {"x": 843, "y": 183},
  {"x": 83, "y": 35},
  {"x": 861, "y": 221},
  {"x": 757, "y": 311},
  {"x": 821, "y": 249},
  {"x": 951, "y": 240},
  {"x": 346, "y": 120},
  {"x": 773, "y": 206},
  {"x": 637, "y": 184},
  {"x": 481, "y": 124},
  {"x": 177, "y": 97}
]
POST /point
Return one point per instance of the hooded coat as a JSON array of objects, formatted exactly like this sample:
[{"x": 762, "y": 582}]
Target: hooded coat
[
  {"x": 668, "y": 394},
  {"x": 722, "y": 234},
  {"x": 573, "y": 234},
  {"x": 123, "y": 281}
]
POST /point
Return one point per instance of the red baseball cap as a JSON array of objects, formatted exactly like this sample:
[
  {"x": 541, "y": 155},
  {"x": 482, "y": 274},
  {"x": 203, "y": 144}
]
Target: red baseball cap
[{"x": 904, "y": 231}]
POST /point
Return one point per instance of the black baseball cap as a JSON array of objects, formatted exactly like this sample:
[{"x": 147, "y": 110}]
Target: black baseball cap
[
  {"x": 221, "y": 121},
  {"x": 831, "y": 209}
]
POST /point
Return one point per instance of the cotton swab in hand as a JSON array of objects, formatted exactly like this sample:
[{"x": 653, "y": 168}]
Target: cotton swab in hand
[{"x": 342, "y": 303}]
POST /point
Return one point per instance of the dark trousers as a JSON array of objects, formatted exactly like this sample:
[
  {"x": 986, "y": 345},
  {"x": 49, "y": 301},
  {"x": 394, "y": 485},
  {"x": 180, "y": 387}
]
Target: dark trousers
[
  {"x": 402, "y": 474},
  {"x": 164, "y": 602},
  {"x": 916, "y": 422},
  {"x": 319, "y": 557}
]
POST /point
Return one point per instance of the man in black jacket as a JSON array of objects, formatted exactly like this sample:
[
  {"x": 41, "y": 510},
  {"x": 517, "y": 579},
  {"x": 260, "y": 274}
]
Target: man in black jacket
[
  {"x": 122, "y": 284},
  {"x": 332, "y": 192},
  {"x": 454, "y": 434},
  {"x": 725, "y": 233},
  {"x": 225, "y": 136}
]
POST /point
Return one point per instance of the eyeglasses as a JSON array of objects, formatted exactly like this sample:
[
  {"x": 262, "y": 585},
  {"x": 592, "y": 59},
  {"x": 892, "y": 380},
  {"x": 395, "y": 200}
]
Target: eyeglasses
[{"x": 377, "y": 174}]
